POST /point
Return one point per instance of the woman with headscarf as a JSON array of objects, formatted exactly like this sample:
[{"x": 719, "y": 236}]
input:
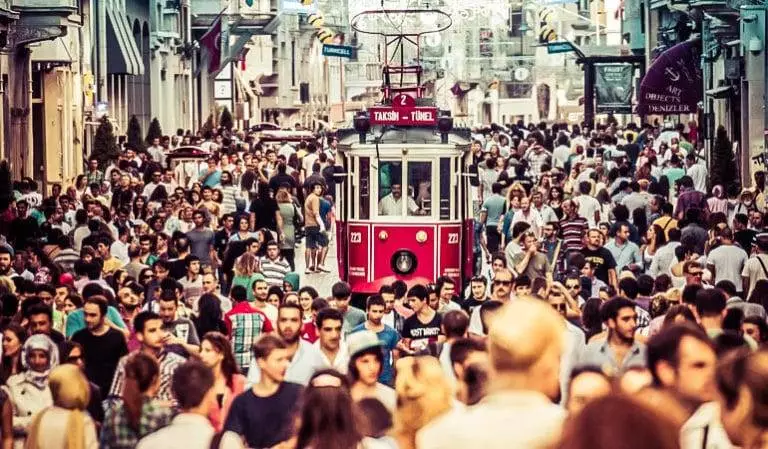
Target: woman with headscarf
[
  {"x": 28, "y": 391},
  {"x": 718, "y": 202}
]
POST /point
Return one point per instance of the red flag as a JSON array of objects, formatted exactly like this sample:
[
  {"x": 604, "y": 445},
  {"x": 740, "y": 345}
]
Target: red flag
[{"x": 211, "y": 43}]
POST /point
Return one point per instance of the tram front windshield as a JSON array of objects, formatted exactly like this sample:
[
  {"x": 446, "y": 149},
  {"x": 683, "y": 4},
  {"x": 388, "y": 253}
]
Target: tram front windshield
[{"x": 415, "y": 190}]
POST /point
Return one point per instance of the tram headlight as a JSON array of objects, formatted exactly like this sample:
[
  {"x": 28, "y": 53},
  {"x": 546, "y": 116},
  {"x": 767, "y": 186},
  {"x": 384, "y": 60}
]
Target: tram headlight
[{"x": 403, "y": 262}]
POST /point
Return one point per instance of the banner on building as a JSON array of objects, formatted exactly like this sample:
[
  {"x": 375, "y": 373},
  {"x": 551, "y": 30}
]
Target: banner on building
[
  {"x": 298, "y": 6},
  {"x": 486, "y": 42},
  {"x": 673, "y": 83},
  {"x": 211, "y": 42},
  {"x": 613, "y": 88}
]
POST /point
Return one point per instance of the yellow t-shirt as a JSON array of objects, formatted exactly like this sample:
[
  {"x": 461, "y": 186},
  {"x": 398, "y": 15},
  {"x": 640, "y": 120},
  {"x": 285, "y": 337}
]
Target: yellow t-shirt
[{"x": 666, "y": 223}]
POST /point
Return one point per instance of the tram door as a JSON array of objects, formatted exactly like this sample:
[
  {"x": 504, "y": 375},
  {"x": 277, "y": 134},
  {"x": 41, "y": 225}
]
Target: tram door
[{"x": 341, "y": 196}]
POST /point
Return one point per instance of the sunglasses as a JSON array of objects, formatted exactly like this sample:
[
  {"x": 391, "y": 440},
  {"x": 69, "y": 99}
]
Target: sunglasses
[
  {"x": 560, "y": 307},
  {"x": 695, "y": 273},
  {"x": 505, "y": 283},
  {"x": 573, "y": 287}
]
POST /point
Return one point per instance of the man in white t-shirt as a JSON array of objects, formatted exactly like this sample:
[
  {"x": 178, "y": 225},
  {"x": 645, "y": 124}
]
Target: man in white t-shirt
[
  {"x": 726, "y": 262},
  {"x": 589, "y": 207}
]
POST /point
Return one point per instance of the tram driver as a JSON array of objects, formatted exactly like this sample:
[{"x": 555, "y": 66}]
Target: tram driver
[{"x": 392, "y": 204}]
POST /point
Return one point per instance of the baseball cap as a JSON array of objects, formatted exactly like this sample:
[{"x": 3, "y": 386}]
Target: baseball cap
[{"x": 362, "y": 341}]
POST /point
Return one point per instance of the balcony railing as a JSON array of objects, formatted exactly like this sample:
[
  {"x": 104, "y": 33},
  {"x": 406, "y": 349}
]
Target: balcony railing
[{"x": 362, "y": 72}]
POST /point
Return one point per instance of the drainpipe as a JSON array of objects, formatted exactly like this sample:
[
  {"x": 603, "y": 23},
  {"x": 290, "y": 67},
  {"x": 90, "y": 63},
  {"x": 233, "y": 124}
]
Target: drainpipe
[
  {"x": 102, "y": 50},
  {"x": 191, "y": 108}
]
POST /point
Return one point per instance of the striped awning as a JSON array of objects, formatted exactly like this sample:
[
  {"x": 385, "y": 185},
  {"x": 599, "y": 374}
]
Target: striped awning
[{"x": 123, "y": 54}]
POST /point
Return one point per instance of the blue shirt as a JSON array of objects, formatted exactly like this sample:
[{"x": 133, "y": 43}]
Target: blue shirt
[
  {"x": 494, "y": 207},
  {"x": 213, "y": 180},
  {"x": 76, "y": 320},
  {"x": 389, "y": 338},
  {"x": 325, "y": 208}
]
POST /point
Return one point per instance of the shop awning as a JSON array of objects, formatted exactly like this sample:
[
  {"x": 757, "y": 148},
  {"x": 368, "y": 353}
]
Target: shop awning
[
  {"x": 123, "y": 54},
  {"x": 673, "y": 82}
]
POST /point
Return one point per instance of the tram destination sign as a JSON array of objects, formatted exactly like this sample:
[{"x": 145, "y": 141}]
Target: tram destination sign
[{"x": 403, "y": 112}]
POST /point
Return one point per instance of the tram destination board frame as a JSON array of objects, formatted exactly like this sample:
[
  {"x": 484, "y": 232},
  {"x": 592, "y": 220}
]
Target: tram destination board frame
[{"x": 403, "y": 112}]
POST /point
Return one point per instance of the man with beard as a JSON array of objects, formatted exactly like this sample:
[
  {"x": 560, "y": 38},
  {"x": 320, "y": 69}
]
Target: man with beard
[
  {"x": 262, "y": 414},
  {"x": 619, "y": 351},
  {"x": 682, "y": 361},
  {"x": 304, "y": 357},
  {"x": 6, "y": 258},
  {"x": 389, "y": 337},
  {"x": 103, "y": 346}
]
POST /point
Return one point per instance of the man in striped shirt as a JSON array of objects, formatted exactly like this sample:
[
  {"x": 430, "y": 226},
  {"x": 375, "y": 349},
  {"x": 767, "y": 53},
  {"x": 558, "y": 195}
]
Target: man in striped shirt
[
  {"x": 273, "y": 266},
  {"x": 573, "y": 228},
  {"x": 149, "y": 331}
]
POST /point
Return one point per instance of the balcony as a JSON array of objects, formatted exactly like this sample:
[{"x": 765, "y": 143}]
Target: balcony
[
  {"x": 41, "y": 20},
  {"x": 263, "y": 14},
  {"x": 362, "y": 74}
]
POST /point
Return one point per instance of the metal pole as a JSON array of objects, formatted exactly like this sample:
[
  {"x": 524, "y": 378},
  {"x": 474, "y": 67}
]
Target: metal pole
[
  {"x": 341, "y": 89},
  {"x": 589, "y": 93}
]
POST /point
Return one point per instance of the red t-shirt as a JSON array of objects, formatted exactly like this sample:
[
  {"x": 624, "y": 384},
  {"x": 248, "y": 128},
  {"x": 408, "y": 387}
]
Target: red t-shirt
[{"x": 309, "y": 332}]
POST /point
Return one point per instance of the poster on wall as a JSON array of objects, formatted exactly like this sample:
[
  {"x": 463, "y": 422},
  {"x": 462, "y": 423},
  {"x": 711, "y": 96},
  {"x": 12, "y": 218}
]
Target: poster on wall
[
  {"x": 614, "y": 87},
  {"x": 298, "y": 6}
]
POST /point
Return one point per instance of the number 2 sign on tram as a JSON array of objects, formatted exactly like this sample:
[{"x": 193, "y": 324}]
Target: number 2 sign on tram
[{"x": 404, "y": 112}]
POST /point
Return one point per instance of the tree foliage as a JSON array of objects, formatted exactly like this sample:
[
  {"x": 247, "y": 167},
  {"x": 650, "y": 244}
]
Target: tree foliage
[
  {"x": 724, "y": 170},
  {"x": 6, "y": 186},
  {"x": 226, "y": 121},
  {"x": 208, "y": 126},
  {"x": 154, "y": 131},
  {"x": 133, "y": 134},
  {"x": 105, "y": 147}
]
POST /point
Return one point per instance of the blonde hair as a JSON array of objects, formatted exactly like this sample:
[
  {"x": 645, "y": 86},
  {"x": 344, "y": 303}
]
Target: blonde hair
[
  {"x": 71, "y": 391},
  {"x": 510, "y": 345},
  {"x": 423, "y": 394}
]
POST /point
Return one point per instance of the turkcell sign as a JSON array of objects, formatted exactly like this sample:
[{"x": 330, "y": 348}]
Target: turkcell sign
[
  {"x": 418, "y": 116},
  {"x": 341, "y": 51},
  {"x": 559, "y": 47}
]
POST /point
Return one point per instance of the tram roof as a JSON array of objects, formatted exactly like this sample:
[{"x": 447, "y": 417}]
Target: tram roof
[{"x": 401, "y": 134}]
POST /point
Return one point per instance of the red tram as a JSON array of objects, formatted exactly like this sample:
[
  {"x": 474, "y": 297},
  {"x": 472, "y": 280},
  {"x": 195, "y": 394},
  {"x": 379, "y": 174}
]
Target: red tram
[{"x": 405, "y": 211}]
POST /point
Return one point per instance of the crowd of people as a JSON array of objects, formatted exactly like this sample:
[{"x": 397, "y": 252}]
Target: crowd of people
[{"x": 157, "y": 306}]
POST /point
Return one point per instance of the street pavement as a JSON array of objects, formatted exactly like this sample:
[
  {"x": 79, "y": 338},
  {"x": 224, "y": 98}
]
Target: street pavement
[{"x": 322, "y": 282}]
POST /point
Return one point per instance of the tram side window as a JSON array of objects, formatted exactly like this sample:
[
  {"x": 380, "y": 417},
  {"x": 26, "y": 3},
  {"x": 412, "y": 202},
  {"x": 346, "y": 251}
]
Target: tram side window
[
  {"x": 420, "y": 188},
  {"x": 365, "y": 187},
  {"x": 445, "y": 188}
]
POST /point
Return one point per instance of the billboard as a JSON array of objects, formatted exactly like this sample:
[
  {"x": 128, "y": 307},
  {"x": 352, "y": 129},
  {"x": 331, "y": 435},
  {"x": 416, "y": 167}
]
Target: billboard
[{"x": 614, "y": 87}]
